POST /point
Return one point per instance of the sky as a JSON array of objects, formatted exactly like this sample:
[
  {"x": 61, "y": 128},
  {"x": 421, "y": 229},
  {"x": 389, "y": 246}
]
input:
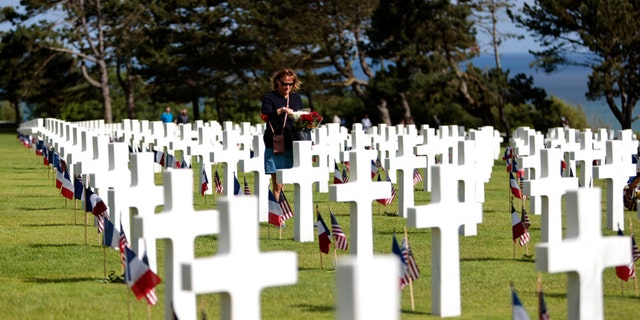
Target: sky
[{"x": 506, "y": 26}]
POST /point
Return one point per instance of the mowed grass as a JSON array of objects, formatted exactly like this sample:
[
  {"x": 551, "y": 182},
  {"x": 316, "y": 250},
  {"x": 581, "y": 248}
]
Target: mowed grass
[{"x": 48, "y": 272}]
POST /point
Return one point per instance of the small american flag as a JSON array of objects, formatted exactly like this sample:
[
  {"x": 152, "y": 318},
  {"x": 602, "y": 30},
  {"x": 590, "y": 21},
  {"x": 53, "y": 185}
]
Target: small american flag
[
  {"x": 412, "y": 272},
  {"x": 216, "y": 180},
  {"x": 337, "y": 176},
  {"x": 524, "y": 238},
  {"x": 99, "y": 222},
  {"x": 389, "y": 200},
  {"x": 374, "y": 169},
  {"x": 247, "y": 191},
  {"x": 393, "y": 194},
  {"x": 635, "y": 251},
  {"x": 345, "y": 178},
  {"x": 417, "y": 177},
  {"x": 122, "y": 244},
  {"x": 286, "y": 208},
  {"x": 338, "y": 236},
  {"x": 525, "y": 219}
]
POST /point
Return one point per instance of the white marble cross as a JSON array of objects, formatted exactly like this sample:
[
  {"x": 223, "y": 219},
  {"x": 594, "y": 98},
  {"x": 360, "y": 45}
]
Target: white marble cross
[
  {"x": 118, "y": 171},
  {"x": 98, "y": 161},
  {"x": 178, "y": 225},
  {"x": 239, "y": 269},
  {"x": 405, "y": 162},
  {"x": 359, "y": 141},
  {"x": 321, "y": 153},
  {"x": 629, "y": 142},
  {"x": 431, "y": 147},
  {"x": 261, "y": 180},
  {"x": 616, "y": 170},
  {"x": 118, "y": 177},
  {"x": 531, "y": 165},
  {"x": 144, "y": 196},
  {"x": 469, "y": 184},
  {"x": 584, "y": 157},
  {"x": 230, "y": 155},
  {"x": 584, "y": 254},
  {"x": 360, "y": 208},
  {"x": 359, "y": 298},
  {"x": 388, "y": 150},
  {"x": 551, "y": 186},
  {"x": 303, "y": 175},
  {"x": 445, "y": 214},
  {"x": 570, "y": 144},
  {"x": 202, "y": 153}
]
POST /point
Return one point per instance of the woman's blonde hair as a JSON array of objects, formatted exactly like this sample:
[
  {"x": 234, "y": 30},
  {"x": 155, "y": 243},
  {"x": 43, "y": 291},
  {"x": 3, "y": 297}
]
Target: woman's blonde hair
[{"x": 285, "y": 72}]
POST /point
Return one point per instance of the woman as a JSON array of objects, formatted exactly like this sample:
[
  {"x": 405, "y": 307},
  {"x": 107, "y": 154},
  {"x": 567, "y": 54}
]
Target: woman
[{"x": 278, "y": 106}]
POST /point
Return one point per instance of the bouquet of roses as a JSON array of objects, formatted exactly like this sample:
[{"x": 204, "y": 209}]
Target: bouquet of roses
[{"x": 306, "y": 120}]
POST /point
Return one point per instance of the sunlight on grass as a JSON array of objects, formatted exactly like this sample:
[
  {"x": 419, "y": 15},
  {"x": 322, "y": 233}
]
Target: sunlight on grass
[{"x": 47, "y": 270}]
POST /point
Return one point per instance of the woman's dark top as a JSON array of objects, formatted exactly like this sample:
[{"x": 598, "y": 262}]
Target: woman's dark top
[{"x": 271, "y": 102}]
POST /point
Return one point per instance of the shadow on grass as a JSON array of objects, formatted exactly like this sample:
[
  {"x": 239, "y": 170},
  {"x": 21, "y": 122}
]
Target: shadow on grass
[
  {"x": 60, "y": 280},
  {"x": 314, "y": 308},
  {"x": 40, "y": 197},
  {"x": 39, "y": 209},
  {"x": 556, "y": 295},
  {"x": 56, "y": 245},
  {"x": 416, "y": 312},
  {"x": 523, "y": 258},
  {"x": 318, "y": 268},
  {"x": 400, "y": 232},
  {"x": 53, "y": 225}
]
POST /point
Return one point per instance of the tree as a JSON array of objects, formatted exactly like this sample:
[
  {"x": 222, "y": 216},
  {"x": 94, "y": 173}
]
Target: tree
[
  {"x": 486, "y": 16},
  {"x": 82, "y": 34},
  {"x": 604, "y": 33},
  {"x": 423, "y": 37},
  {"x": 43, "y": 79},
  {"x": 487, "y": 13}
]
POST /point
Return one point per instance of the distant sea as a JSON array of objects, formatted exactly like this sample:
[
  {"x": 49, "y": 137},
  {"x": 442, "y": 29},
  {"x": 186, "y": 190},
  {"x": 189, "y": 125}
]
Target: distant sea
[{"x": 568, "y": 84}]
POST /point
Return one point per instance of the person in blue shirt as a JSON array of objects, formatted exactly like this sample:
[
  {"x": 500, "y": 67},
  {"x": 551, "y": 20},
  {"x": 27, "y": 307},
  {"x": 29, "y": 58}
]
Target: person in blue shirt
[{"x": 167, "y": 116}]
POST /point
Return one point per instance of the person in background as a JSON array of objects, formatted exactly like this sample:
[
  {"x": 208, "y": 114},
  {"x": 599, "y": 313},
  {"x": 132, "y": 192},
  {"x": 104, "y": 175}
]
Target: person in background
[
  {"x": 436, "y": 122},
  {"x": 167, "y": 116},
  {"x": 336, "y": 118},
  {"x": 366, "y": 123},
  {"x": 183, "y": 117},
  {"x": 278, "y": 106}
]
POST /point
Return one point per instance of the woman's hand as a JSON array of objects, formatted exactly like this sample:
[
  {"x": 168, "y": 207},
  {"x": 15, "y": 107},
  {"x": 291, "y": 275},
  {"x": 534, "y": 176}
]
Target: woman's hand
[{"x": 285, "y": 109}]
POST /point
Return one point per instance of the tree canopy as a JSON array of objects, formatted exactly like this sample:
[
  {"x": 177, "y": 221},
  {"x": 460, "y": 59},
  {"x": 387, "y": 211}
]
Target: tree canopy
[
  {"x": 605, "y": 32},
  {"x": 398, "y": 61}
]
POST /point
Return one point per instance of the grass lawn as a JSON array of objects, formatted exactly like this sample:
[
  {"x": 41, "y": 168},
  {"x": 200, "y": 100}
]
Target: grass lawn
[{"x": 48, "y": 272}]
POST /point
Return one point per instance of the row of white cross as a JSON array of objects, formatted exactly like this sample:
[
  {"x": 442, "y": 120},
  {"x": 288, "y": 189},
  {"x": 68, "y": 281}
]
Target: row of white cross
[
  {"x": 546, "y": 183},
  {"x": 457, "y": 186}
]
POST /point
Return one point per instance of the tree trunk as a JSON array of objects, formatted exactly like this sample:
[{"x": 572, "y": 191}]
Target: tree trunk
[
  {"x": 495, "y": 41},
  {"x": 131, "y": 106},
  {"x": 220, "y": 110},
  {"x": 408, "y": 119},
  {"x": 384, "y": 112},
  {"x": 503, "y": 119},
  {"x": 15, "y": 103},
  {"x": 195, "y": 105},
  {"x": 127, "y": 87},
  {"x": 623, "y": 116},
  {"x": 106, "y": 92}
]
